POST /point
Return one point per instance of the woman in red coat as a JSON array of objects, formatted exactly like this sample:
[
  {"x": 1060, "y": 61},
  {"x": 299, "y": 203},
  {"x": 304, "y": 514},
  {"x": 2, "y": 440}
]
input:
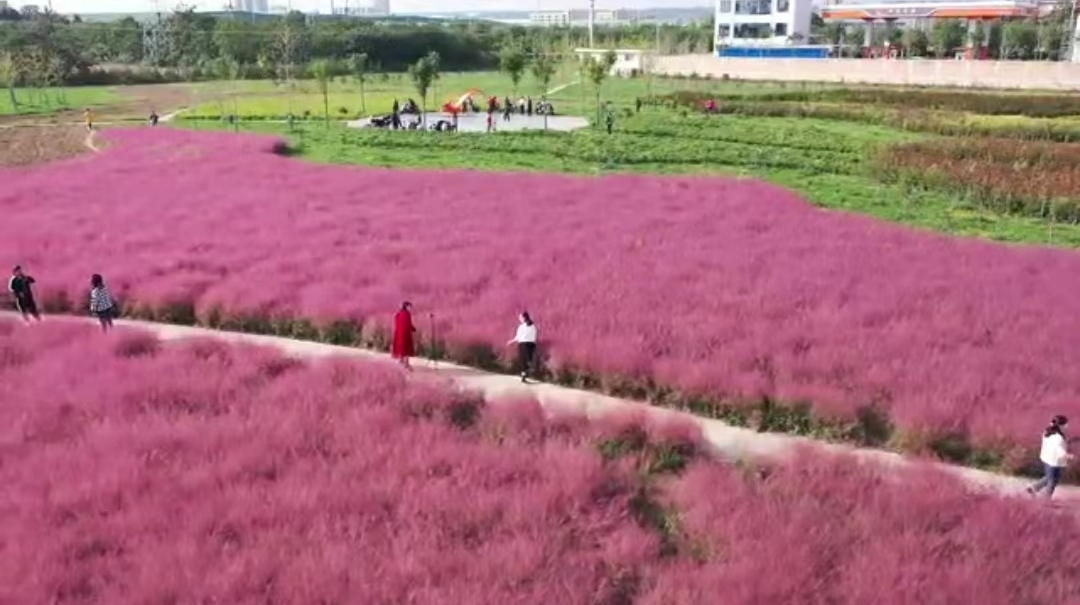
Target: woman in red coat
[{"x": 402, "y": 348}]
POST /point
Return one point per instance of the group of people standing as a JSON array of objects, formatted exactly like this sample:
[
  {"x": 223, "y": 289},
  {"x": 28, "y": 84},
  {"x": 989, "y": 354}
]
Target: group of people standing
[
  {"x": 21, "y": 287},
  {"x": 403, "y": 345}
]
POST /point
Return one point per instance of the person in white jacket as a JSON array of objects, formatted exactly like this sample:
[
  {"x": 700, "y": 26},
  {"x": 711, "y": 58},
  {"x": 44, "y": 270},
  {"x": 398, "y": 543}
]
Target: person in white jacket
[
  {"x": 526, "y": 342},
  {"x": 1054, "y": 456}
]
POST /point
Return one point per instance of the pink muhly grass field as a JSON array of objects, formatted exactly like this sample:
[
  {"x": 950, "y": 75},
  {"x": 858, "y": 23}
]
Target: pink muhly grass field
[
  {"x": 199, "y": 472},
  {"x": 725, "y": 288},
  {"x": 829, "y": 529},
  {"x": 135, "y": 472}
]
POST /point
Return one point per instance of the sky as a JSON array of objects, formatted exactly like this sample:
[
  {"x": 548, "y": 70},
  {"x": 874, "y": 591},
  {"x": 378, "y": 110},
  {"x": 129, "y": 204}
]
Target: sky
[{"x": 136, "y": 6}]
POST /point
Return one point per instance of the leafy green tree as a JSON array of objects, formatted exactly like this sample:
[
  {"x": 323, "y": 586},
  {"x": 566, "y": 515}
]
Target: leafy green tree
[
  {"x": 358, "y": 63},
  {"x": 596, "y": 69},
  {"x": 189, "y": 38},
  {"x": 512, "y": 62},
  {"x": 978, "y": 35},
  {"x": 423, "y": 74},
  {"x": 1019, "y": 39},
  {"x": 233, "y": 41},
  {"x": 10, "y": 72},
  {"x": 543, "y": 69},
  {"x": 832, "y": 33},
  {"x": 1051, "y": 39},
  {"x": 322, "y": 71},
  {"x": 916, "y": 42},
  {"x": 947, "y": 35}
]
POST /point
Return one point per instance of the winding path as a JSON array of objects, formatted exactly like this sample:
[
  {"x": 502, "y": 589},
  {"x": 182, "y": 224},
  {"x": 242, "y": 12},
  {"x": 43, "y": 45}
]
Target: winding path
[{"x": 728, "y": 442}]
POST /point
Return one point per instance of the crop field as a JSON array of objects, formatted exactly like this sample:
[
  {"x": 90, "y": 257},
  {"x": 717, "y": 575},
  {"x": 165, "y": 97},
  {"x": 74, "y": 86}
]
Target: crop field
[
  {"x": 136, "y": 471},
  {"x": 1036, "y": 178},
  {"x": 731, "y": 297}
]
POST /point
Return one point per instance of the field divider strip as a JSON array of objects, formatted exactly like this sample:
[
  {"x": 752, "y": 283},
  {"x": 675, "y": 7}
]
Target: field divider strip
[{"x": 726, "y": 441}]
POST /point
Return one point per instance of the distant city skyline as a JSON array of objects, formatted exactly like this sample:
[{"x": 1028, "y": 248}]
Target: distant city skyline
[{"x": 400, "y": 6}]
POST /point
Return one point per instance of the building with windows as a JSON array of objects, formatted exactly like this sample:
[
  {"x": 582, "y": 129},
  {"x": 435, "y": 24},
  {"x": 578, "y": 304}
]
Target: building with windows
[
  {"x": 361, "y": 8},
  {"x": 550, "y": 18},
  {"x": 251, "y": 6},
  {"x": 564, "y": 18},
  {"x": 764, "y": 28}
]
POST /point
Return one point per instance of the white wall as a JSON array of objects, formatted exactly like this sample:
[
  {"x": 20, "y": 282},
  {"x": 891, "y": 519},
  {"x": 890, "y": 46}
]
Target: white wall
[
  {"x": 626, "y": 61},
  {"x": 945, "y": 72}
]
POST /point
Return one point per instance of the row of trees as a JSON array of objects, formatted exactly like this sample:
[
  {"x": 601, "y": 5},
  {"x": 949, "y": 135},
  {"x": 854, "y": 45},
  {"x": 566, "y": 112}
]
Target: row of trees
[
  {"x": 186, "y": 44},
  {"x": 514, "y": 60}
]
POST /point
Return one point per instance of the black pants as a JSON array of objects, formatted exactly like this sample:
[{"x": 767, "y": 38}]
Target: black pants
[
  {"x": 27, "y": 307},
  {"x": 526, "y": 357},
  {"x": 105, "y": 318}
]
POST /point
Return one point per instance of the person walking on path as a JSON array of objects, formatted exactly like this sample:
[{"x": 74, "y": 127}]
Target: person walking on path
[
  {"x": 1054, "y": 456},
  {"x": 402, "y": 347},
  {"x": 101, "y": 303},
  {"x": 526, "y": 342},
  {"x": 88, "y": 117},
  {"x": 610, "y": 120},
  {"x": 20, "y": 287}
]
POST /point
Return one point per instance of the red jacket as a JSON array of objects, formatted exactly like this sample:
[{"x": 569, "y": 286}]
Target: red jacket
[{"x": 402, "y": 345}]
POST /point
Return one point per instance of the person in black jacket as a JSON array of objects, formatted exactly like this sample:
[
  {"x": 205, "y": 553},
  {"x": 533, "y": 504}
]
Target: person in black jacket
[{"x": 20, "y": 287}]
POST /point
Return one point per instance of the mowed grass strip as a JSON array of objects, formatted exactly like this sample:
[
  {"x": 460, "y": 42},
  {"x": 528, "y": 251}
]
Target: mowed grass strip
[{"x": 39, "y": 101}]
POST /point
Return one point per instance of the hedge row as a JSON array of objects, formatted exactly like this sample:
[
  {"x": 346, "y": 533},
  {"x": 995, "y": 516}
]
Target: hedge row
[
  {"x": 1023, "y": 177},
  {"x": 984, "y": 103},
  {"x": 911, "y": 119}
]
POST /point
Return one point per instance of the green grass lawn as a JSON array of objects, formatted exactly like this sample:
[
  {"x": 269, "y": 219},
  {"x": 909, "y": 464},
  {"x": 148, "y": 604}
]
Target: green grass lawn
[
  {"x": 265, "y": 99},
  {"x": 31, "y": 101},
  {"x": 826, "y": 161}
]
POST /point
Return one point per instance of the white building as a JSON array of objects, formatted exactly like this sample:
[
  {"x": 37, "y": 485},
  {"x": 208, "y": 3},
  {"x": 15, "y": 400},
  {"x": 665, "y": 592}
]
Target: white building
[
  {"x": 550, "y": 18},
  {"x": 618, "y": 16},
  {"x": 762, "y": 22},
  {"x": 251, "y": 6},
  {"x": 361, "y": 8},
  {"x": 627, "y": 61}
]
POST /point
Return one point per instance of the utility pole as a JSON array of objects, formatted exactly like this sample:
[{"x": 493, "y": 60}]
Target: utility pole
[
  {"x": 1073, "y": 52},
  {"x": 592, "y": 22}
]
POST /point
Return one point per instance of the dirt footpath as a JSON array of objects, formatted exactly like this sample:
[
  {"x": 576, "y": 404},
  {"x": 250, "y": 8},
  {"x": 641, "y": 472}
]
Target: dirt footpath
[
  {"x": 29, "y": 145},
  {"x": 35, "y": 139}
]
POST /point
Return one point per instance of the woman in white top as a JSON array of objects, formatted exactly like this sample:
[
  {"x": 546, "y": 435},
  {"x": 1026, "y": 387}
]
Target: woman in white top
[
  {"x": 526, "y": 342},
  {"x": 1054, "y": 456}
]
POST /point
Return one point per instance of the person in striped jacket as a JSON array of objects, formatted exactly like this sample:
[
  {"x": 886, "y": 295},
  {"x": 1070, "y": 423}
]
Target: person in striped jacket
[{"x": 101, "y": 303}]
